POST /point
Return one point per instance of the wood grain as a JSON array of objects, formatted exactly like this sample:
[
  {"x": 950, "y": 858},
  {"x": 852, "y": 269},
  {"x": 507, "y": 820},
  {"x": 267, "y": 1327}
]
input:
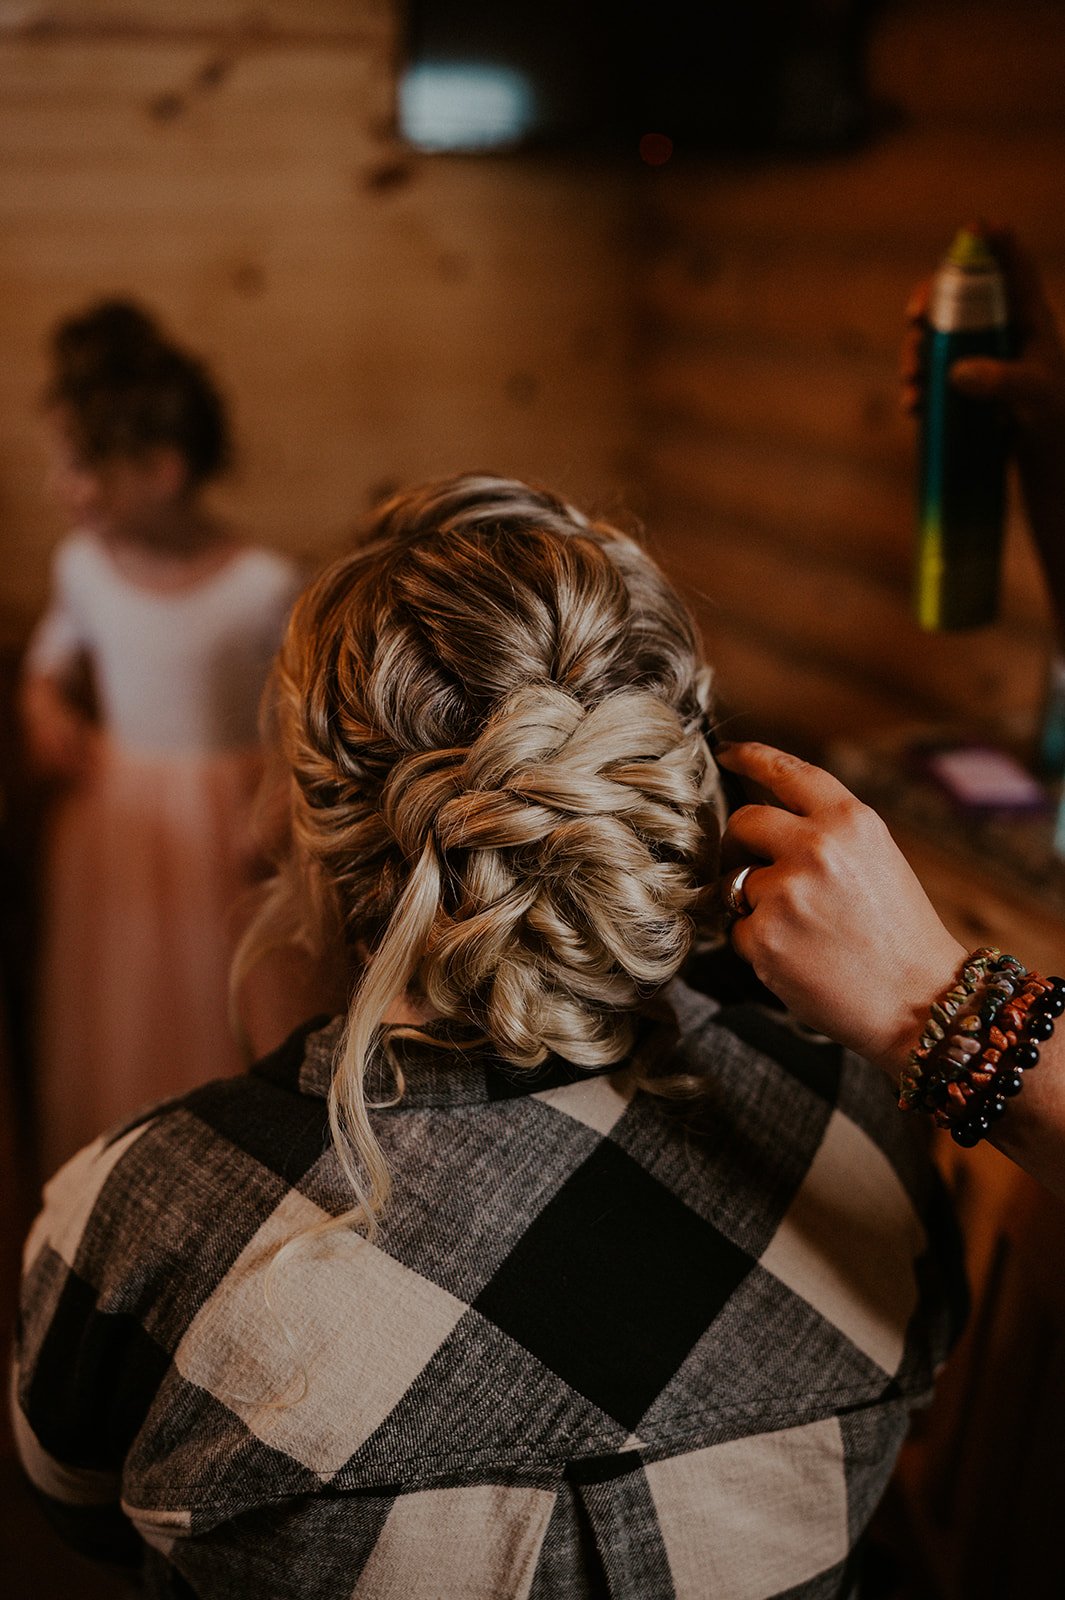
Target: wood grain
[{"x": 376, "y": 316}]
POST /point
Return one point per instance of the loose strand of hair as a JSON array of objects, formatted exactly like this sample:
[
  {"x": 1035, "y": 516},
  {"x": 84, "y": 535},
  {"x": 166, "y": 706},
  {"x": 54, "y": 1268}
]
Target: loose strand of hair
[{"x": 386, "y": 978}]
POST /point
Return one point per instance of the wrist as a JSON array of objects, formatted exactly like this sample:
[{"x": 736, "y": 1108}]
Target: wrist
[{"x": 919, "y": 990}]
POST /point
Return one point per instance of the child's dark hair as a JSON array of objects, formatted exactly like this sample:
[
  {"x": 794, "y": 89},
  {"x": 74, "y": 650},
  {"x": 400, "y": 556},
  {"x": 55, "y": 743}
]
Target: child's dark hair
[{"x": 125, "y": 387}]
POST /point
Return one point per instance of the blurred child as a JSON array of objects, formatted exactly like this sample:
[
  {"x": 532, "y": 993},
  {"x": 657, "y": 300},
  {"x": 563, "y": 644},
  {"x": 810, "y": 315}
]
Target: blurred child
[{"x": 176, "y": 621}]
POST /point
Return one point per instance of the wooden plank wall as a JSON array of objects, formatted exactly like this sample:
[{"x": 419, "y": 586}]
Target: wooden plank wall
[
  {"x": 779, "y": 467},
  {"x": 714, "y": 344},
  {"x": 376, "y": 316}
]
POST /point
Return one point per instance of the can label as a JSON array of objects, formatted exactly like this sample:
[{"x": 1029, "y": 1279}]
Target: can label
[{"x": 964, "y": 454}]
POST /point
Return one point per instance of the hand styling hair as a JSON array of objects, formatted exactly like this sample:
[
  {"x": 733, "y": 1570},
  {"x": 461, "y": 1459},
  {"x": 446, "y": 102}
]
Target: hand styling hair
[{"x": 491, "y": 714}]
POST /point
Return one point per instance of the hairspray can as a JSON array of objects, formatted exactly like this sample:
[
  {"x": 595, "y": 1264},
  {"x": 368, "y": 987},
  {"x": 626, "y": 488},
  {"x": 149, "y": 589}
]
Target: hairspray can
[{"x": 964, "y": 445}]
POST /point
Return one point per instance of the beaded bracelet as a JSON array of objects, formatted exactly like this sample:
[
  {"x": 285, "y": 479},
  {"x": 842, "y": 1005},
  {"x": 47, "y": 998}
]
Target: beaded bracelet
[
  {"x": 978, "y": 1042},
  {"x": 944, "y": 1015}
]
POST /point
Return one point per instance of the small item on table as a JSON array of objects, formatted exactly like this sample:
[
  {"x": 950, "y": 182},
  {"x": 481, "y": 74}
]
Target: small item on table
[{"x": 980, "y": 778}]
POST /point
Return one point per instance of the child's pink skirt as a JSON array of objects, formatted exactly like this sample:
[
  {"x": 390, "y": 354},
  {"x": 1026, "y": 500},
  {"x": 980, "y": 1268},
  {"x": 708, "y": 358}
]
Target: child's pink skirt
[{"x": 146, "y": 884}]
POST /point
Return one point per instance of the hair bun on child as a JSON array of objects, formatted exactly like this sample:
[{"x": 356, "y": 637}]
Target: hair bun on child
[
  {"x": 108, "y": 339},
  {"x": 125, "y": 387}
]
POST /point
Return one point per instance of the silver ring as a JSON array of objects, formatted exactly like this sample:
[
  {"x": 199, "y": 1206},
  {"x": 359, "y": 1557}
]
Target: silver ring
[{"x": 735, "y": 897}]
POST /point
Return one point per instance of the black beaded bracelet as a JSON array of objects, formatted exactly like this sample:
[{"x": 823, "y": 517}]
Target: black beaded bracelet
[
  {"x": 980, "y": 1040},
  {"x": 1007, "y": 1079}
]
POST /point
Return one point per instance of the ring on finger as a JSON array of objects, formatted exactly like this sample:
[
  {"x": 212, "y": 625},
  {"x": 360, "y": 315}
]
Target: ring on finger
[{"x": 735, "y": 896}]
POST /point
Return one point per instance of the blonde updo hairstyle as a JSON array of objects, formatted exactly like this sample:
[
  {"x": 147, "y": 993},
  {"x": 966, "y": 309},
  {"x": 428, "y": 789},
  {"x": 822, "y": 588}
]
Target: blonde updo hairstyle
[{"x": 491, "y": 715}]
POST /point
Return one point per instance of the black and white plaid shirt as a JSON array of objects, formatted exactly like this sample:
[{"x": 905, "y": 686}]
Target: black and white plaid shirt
[{"x": 605, "y": 1343}]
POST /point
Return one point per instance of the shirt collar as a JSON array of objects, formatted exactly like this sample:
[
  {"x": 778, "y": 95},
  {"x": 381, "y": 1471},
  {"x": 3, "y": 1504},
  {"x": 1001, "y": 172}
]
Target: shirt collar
[{"x": 448, "y": 1064}]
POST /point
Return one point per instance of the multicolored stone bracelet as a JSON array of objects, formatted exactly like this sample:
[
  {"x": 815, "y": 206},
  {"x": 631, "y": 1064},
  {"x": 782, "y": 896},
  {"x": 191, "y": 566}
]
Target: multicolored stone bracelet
[{"x": 981, "y": 1038}]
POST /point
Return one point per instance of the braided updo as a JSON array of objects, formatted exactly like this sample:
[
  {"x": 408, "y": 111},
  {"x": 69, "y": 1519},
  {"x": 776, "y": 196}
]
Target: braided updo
[{"x": 491, "y": 713}]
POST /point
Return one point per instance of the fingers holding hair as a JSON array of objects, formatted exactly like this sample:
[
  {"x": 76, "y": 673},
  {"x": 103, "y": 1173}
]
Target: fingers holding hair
[{"x": 789, "y": 781}]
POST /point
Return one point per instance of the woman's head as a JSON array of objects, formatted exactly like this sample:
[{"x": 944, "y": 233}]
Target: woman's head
[
  {"x": 138, "y": 422},
  {"x": 491, "y": 712},
  {"x": 493, "y": 717}
]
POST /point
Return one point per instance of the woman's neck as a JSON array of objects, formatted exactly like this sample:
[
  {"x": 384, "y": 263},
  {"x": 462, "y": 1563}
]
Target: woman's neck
[{"x": 405, "y": 1010}]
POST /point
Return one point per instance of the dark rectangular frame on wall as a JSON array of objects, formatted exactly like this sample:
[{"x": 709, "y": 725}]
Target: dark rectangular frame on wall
[{"x": 764, "y": 76}]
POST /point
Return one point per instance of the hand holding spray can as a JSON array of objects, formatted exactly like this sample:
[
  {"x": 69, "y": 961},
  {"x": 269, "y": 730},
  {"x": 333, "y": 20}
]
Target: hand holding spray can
[{"x": 964, "y": 445}]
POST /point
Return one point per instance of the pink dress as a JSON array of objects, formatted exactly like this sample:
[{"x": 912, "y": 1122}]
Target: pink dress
[{"x": 150, "y": 859}]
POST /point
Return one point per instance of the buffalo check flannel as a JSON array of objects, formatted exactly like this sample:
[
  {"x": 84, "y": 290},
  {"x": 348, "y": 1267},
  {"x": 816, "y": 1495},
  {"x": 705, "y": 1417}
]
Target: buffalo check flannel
[{"x": 606, "y": 1343}]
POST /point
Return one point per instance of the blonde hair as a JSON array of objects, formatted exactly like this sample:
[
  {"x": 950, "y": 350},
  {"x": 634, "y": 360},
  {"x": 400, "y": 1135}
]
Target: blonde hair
[{"x": 491, "y": 716}]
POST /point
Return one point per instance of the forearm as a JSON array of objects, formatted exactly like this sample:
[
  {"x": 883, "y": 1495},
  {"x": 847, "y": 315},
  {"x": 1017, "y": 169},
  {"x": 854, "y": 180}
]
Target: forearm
[
  {"x": 1042, "y": 471},
  {"x": 1032, "y": 1133},
  {"x": 58, "y": 736},
  {"x": 40, "y": 695}
]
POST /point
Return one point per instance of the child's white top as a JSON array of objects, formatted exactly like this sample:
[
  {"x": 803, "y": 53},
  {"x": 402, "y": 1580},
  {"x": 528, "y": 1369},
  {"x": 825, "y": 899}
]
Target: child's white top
[{"x": 176, "y": 672}]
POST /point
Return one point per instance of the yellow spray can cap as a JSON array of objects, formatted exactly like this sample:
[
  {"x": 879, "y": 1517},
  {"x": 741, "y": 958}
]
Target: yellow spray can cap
[{"x": 971, "y": 251}]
